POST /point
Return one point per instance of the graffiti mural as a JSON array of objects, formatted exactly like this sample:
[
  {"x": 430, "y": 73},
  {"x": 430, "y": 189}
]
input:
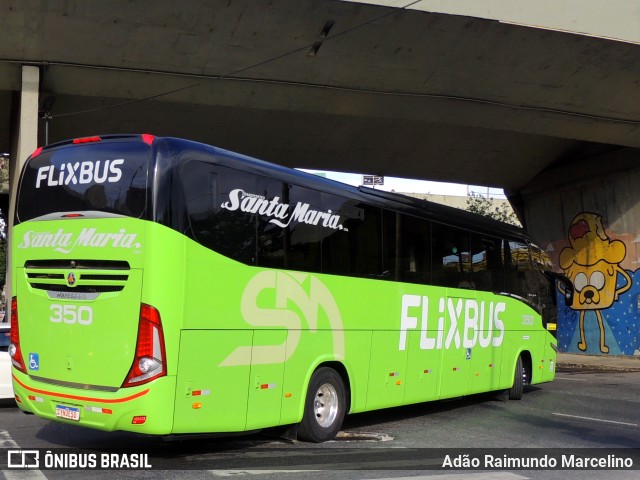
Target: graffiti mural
[{"x": 603, "y": 317}]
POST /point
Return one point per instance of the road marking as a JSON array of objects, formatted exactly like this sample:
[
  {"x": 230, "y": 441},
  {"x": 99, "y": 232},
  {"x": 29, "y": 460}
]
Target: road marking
[
  {"x": 595, "y": 419},
  {"x": 6, "y": 441},
  {"x": 435, "y": 476},
  {"x": 362, "y": 437},
  {"x": 572, "y": 379},
  {"x": 23, "y": 474},
  {"x": 464, "y": 476},
  {"x": 233, "y": 473}
]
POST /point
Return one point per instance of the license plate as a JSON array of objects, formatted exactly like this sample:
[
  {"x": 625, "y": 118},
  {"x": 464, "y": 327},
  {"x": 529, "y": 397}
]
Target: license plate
[{"x": 69, "y": 413}]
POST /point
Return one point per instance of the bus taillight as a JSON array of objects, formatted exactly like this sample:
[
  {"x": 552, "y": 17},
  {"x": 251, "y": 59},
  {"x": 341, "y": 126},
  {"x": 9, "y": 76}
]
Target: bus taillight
[
  {"x": 149, "y": 362},
  {"x": 78, "y": 141},
  {"x": 36, "y": 152},
  {"x": 148, "y": 139},
  {"x": 14, "y": 347}
]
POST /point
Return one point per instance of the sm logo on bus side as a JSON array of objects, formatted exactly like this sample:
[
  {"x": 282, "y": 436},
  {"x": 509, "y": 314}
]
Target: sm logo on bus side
[{"x": 308, "y": 293}]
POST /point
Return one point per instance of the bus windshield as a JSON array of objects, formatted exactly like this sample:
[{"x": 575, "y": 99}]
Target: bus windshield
[{"x": 107, "y": 176}]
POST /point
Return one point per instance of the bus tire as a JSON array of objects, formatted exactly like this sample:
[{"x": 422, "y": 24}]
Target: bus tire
[
  {"x": 324, "y": 407},
  {"x": 515, "y": 392}
]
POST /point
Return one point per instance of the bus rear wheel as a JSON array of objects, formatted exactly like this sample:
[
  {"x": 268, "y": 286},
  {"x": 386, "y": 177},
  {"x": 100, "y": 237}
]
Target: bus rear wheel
[
  {"x": 324, "y": 407},
  {"x": 516, "y": 391}
]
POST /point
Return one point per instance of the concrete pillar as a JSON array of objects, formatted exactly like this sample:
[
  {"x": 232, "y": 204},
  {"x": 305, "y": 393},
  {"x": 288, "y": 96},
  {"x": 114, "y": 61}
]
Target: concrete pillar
[
  {"x": 26, "y": 141},
  {"x": 28, "y": 123},
  {"x": 586, "y": 215}
]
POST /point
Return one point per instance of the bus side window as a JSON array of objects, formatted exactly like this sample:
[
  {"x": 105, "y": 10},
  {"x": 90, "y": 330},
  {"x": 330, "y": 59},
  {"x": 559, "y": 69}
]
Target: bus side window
[
  {"x": 364, "y": 244},
  {"x": 488, "y": 270},
  {"x": 197, "y": 188},
  {"x": 517, "y": 268},
  {"x": 414, "y": 249},
  {"x": 206, "y": 187},
  {"x": 270, "y": 238},
  {"x": 451, "y": 257},
  {"x": 356, "y": 248},
  {"x": 303, "y": 241},
  {"x": 540, "y": 258},
  {"x": 389, "y": 245}
]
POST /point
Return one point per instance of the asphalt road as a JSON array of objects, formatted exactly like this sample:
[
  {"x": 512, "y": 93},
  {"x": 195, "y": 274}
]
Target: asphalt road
[{"x": 584, "y": 410}]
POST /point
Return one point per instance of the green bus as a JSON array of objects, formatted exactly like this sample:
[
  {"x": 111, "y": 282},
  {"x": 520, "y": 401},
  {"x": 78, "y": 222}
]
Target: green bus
[{"x": 167, "y": 287}]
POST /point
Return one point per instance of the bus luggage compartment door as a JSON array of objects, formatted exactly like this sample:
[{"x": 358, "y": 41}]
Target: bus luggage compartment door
[{"x": 211, "y": 396}]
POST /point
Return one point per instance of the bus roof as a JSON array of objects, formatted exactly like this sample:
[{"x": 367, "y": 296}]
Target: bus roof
[{"x": 390, "y": 200}]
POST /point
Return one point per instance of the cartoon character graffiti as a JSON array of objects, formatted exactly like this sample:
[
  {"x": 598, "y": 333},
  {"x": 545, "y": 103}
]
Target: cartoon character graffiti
[{"x": 592, "y": 263}]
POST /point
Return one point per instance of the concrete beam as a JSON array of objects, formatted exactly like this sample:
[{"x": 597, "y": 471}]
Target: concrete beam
[{"x": 614, "y": 19}]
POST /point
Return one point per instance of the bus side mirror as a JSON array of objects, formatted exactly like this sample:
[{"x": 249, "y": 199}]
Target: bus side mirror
[{"x": 564, "y": 285}]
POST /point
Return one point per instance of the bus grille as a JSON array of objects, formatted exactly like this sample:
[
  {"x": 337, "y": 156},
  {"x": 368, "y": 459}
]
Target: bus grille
[
  {"x": 80, "y": 289},
  {"x": 79, "y": 264},
  {"x": 91, "y": 276}
]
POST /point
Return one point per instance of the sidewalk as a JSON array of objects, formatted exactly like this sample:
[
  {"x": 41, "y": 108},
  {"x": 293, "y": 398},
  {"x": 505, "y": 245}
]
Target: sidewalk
[{"x": 608, "y": 363}]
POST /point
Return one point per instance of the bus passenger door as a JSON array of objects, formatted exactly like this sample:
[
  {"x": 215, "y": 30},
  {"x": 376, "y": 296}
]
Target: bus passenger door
[
  {"x": 211, "y": 396},
  {"x": 387, "y": 371},
  {"x": 423, "y": 369}
]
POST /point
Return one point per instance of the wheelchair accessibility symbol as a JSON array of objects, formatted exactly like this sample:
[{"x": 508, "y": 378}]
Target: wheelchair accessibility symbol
[{"x": 34, "y": 361}]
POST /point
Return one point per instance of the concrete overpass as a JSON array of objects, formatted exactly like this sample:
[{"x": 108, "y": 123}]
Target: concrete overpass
[
  {"x": 327, "y": 84},
  {"x": 442, "y": 90}
]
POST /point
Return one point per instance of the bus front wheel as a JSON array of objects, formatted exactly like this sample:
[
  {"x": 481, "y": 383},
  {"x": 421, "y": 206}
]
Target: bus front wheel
[
  {"x": 515, "y": 392},
  {"x": 324, "y": 407}
]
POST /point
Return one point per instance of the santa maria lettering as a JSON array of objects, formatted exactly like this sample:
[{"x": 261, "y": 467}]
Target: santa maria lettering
[
  {"x": 279, "y": 212},
  {"x": 66, "y": 242}
]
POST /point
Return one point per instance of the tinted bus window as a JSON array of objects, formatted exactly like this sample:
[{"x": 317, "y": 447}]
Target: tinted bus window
[
  {"x": 517, "y": 263},
  {"x": 540, "y": 258},
  {"x": 450, "y": 257},
  {"x": 355, "y": 249},
  {"x": 336, "y": 250},
  {"x": 364, "y": 243},
  {"x": 270, "y": 237},
  {"x": 488, "y": 268},
  {"x": 304, "y": 240},
  {"x": 103, "y": 176},
  {"x": 390, "y": 251},
  {"x": 414, "y": 261},
  {"x": 206, "y": 188}
]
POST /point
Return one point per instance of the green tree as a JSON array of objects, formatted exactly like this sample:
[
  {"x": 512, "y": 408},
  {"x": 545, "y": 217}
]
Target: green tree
[{"x": 477, "y": 203}]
